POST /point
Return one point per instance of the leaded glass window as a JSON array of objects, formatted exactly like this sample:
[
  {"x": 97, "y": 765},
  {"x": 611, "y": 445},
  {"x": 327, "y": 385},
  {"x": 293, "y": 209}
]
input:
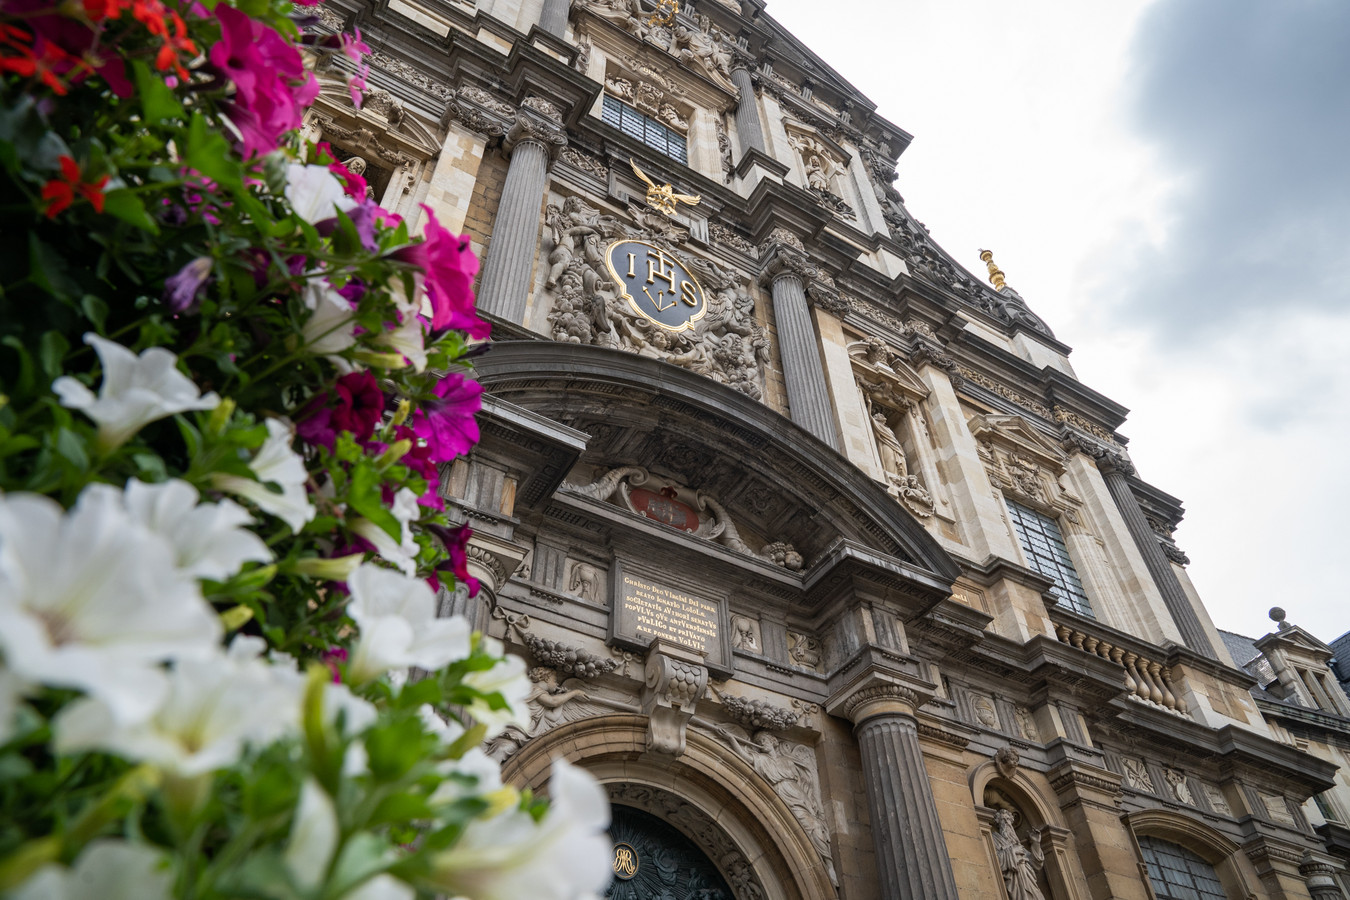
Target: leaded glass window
[
  {"x": 645, "y": 129},
  {"x": 1043, "y": 545},
  {"x": 1179, "y": 874}
]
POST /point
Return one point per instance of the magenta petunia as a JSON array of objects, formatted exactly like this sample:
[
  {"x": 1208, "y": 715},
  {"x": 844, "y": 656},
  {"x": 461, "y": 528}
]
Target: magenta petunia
[
  {"x": 272, "y": 86},
  {"x": 450, "y": 267},
  {"x": 447, "y": 423},
  {"x": 419, "y": 459},
  {"x": 456, "y": 542},
  {"x": 355, "y": 404}
]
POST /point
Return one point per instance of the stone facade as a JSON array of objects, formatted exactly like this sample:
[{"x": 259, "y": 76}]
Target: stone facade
[{"x": 821, "y": 554}]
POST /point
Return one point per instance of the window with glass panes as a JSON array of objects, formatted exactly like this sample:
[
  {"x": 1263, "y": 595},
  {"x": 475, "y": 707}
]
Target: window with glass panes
[
  {"x": 645, "y": 129},
  {"x": 1179, "y": 874},
  {"x": 1043, "y": 544}
]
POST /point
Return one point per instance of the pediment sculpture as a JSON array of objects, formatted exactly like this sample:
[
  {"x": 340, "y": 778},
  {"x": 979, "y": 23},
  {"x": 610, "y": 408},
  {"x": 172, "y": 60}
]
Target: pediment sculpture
[
  {"x": 725, "y": 343},
  {"x": 682, "y": 508}
]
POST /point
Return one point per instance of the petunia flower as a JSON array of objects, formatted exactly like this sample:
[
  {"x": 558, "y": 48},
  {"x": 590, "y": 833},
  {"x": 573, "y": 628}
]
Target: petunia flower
[
  {"x": 314, "y": 836},
  {"x": 210, "y": 540},
  {"x": 447, "y": 423},
  {"x": 275, "y": 463},
  {"x": 91, "y": 600},
  {"x": 12, "y": 690},
  {"x": 507, "y": 677},
  {"x": 456, "y": 542},
  {"x": 399, "y": 626},
  {"x": 315, "y": 193},
  {"x": 182, "y": 287},
  {"x": 449, "y": 267},
  {"x": 106, "y": 869},
  {"x": 406, "y": 338},
  {"x": 332, "y": 327},
  {"x": 403, "y": 552},
  {"x": 214, "y": 709},
  {"x": 271, "y": 84},
  {"x": 355, "y": 405},
  {"x": 564, "y": 855},
  {"x": 136, "y": 391}
]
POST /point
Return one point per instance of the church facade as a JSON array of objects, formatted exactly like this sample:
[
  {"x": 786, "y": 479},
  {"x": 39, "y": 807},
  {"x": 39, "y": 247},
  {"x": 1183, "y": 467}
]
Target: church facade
[{"x": 827, "y": 565}]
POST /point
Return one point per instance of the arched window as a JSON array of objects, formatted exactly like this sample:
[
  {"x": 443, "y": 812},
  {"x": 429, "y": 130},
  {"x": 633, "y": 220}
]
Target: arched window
[{"x": 1179, "y": 874}]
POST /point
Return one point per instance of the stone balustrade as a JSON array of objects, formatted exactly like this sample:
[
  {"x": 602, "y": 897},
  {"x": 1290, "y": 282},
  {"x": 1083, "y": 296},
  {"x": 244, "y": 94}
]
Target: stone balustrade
[{"x": 1146, "y": 679}]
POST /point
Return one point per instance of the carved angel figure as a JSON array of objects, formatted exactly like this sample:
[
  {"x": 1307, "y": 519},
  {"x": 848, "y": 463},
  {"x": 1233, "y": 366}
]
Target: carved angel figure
[
  {"x": 1020, "y": 863},
  {"x": 550, "y": 704}
]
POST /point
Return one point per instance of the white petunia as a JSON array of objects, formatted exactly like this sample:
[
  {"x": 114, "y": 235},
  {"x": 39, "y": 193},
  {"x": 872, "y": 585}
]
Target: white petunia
[
  {"x": 275, "y": 463},
  {"x": 106, "y": 870},
  {"x": 314, "y": 836},
  {"x": 399, "y": 627},
  {"x": 402, "y": 553},
  {"x": 357, "y": 714},
  {"x": 407, "y": 338},
  {"x": 11, "y": 691},
  {"x": 381, "y": 887},
  {"x": 315, "y": 193},
  {"x": 508, "y": 678},
  {"x": 136, "y": 391},
  {"x": 209, "y": 539},
  {"x": 214, "y": 709},
  {"x": 332, "y": 327},
  {"x": 564, "y": 856},
  {"x": 94, "y": 601}
]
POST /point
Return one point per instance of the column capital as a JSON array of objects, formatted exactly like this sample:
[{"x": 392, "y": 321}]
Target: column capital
[
  {"x": 534, "y": 127},
  {"x": 781, "y": 258},
  {"x": 477, "y": 110},
  {"x": 878, "y": 693}
]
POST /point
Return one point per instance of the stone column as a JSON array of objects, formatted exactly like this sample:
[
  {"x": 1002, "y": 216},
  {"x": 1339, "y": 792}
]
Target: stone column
[
  {"x": 749, "y": 129},
  {"x": 504, "y": 288},
  {"x": 554, "y": 17},
  {"x": 1114, "y": 468},
  {"x": 1319, "y": 872},
  {"x": 803, "y": 370},
  {"x": 912, "y": 859}
]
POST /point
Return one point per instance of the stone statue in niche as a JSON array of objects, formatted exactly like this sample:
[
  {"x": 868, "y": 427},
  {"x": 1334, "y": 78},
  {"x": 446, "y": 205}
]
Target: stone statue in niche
[
  {"x": 791, "y": 770},
  {"x": 1019, "y": 862},
  {"x": 900, "y": 483},
  {"x": 816, "y": 174},
  {"x": 888, "y": 447},
  {"x": 727, "y": 344}
]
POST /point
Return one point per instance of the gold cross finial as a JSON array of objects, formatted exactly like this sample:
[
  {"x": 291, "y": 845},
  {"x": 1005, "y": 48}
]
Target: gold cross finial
[{"x": 996, "y": 277}]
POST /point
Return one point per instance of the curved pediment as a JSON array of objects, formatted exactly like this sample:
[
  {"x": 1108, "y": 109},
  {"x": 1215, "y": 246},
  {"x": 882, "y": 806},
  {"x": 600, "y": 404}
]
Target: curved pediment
[{"x": 776, "y": 482}]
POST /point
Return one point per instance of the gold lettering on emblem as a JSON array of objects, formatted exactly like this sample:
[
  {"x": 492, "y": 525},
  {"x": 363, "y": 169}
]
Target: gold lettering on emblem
[
  {"x": 625, "y": 861},
  {"x": 687, "y": 293},
  {"x": 632, "y": 258}
]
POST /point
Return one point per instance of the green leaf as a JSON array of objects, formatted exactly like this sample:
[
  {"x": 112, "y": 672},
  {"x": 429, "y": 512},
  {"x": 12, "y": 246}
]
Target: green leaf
[
  {"x": 52, "y": 349},
  {"x": 27, "y": 373},
  {"x": 95, "y": 310},
  {"x": 50, "y": 270},
  {"x": 209, "y": 153},
  {"x": 366, "y": 498},
  {"x": 363, "y": 856},
  {"x": 71, "y": 449},
  {"x": 125, "y": 205},
  {"x": 157, "y": 100}
]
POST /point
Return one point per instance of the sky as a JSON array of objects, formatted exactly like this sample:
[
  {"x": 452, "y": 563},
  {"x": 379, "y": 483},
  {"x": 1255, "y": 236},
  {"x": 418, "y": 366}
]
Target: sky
[{"x": 1167, "y": 184}]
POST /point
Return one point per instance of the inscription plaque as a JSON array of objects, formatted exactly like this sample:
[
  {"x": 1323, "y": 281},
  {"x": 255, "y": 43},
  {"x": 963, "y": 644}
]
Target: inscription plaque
[{"x": 656, "y": 611}]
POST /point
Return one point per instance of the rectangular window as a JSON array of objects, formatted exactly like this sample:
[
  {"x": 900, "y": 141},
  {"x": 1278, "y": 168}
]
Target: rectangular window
[
  {"x": 1043, "y": 545},
  {"x": 645, "y": 129}
]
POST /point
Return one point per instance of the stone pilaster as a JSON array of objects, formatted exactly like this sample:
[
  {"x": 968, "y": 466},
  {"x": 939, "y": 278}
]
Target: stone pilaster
[
  {"x": 803, "y": 370},
  {"x": 1114, "y": 469},
  {"x": 1320, "y": 873},
  {"x": 505, "y": 286},
  {"x": 554, "y": 17},
  {"x": 749, "y": 129},
  {"x": 911, "y": 851}
]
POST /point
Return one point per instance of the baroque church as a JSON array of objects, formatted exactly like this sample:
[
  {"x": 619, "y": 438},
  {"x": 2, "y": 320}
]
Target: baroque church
[{"x": 826, "y": 564}]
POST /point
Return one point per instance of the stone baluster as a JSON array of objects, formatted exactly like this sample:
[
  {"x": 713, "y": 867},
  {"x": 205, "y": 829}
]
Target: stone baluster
[
  {"x": 554, "y": 17},
  {"x": 803, "y": 370},
  {"x": 1114, "y": 469},
  {"x": 911, "y": 852},
  {"x": 1117, "y": 654},
  {"x": 504, "y": 288},
  {"x": 1181, "y": 701},
  {"x": 1168, "y": 700}
]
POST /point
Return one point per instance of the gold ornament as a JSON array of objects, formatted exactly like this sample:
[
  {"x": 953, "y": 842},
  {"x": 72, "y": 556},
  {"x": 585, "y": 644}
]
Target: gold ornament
[
  {"x": 664, "y": 14},
  {"x": 996, "y": 277},
  {"x": 662, "y": 197}
]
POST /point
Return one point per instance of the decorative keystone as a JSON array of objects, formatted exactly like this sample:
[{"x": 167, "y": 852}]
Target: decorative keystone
[{"x": 676, "y": 681}]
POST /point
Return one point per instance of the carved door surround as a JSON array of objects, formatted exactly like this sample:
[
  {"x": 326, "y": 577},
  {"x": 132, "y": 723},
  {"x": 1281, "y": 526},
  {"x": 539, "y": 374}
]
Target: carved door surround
[{"x": 709, "y": 794}]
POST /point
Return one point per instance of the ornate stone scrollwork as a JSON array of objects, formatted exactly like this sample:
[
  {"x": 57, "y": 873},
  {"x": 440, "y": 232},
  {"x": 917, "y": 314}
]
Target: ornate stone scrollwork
[
  {"x": 675, "y": 681},
  {"x": 585, "y": 162},
  {"x": 723, "y": 236},
  {"x": 727, "y": 344},
  {"x": 479, "y": 111},
  {"x": 544, "y": 107},
  {"x": 804, "y": 650},
  {"x": 534, "y": 126}
]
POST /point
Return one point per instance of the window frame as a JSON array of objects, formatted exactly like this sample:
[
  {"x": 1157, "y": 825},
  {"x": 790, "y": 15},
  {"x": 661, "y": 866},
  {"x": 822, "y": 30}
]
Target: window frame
[
  {"x": 645, "y": 129},
  {"x": 1052, "y": 559}
]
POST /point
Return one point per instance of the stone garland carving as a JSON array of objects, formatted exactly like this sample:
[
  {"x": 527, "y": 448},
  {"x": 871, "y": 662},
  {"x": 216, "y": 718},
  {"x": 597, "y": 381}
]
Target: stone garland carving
[
  {"x": 1074, "y": 420},
  {"x": 408, "y": 73},
  {"x": 1004, "y": 391},
  {"x": 723, "y": 236},
  {"x": 698, "y": 825},
  {"x": 804, "y": 650},
  {"x": 791, "y": 770},
  {"x": 716, "y": 525},
  {"x": 727, "y": 344},
  {"x": 754, "y": 715},
  {"x": 1137, "y": 775},
  {"x": 585, "y": 162},
  {"x": 545, "y": 108},
  {"x": 1020, "y": 863},
  {"x": 331, "y": 19},
  {"x": 556, "y": 655},
  {"x": 1176, "y": 780}
]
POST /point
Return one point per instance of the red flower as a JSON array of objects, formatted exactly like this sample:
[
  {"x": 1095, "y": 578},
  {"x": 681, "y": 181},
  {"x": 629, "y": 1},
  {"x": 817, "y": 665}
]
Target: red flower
[
  {"x": 355, "y": 404},
  {"x": 447, "y": 423},
  {"x": 456, "y": 542},
  {"x": 60, "y": 192},
  {"x": 272, "y": 86},
  {"x": 353, "y": 184},
  {"x": 175, "y": 45},
  {"x": 450, "y": 267}
]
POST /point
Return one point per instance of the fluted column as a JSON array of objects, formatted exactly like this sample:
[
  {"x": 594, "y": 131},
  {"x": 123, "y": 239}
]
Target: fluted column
[
  {"x": 803, "y": 369},
  {"x": 911, "y": 852},
  {"x": 1114, "y": 469},
  {"x": 505, "y": 285},
  {"x": 554, "y": 17},
  {"x": 749, "y": 129}
]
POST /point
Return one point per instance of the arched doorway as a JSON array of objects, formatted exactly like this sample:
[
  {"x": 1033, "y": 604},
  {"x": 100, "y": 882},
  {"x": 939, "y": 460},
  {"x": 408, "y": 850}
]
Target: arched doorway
[{"x": 654, "y": 861}]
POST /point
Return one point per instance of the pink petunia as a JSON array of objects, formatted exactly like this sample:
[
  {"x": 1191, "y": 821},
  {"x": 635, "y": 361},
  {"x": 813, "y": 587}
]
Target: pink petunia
[
  {"x": 272, "y": 86},
  {"x": 450, "y": 267},
  {"x": 447, "y": 423}
]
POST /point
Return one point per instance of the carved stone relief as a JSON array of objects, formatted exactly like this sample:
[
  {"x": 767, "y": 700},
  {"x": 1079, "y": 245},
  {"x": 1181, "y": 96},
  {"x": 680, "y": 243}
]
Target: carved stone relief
[
  {"x": 587, "y": 582},
  {"x": 675, "y": 683},
  {"x": 1277, "y": 809},
  {"x": 804, "y": 650},
  {"x": 727, "y": 344},
  {"x": 982, "y": 708},
  {"x": 698, "y": 44},
  {"x": 1216, "y": 799},
  {"x": 791, "y": 770},
  {"x": 754, "y": 715},
  {"x": 1136, "y": 773},
  {"x": 1026, "y": 723},
  {"x": 1176, "y": 780},
  {"x": 745, "y": 634}
]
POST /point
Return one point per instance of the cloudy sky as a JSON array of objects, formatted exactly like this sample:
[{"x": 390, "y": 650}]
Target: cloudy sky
[{"x": 1167, "y": 183}]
